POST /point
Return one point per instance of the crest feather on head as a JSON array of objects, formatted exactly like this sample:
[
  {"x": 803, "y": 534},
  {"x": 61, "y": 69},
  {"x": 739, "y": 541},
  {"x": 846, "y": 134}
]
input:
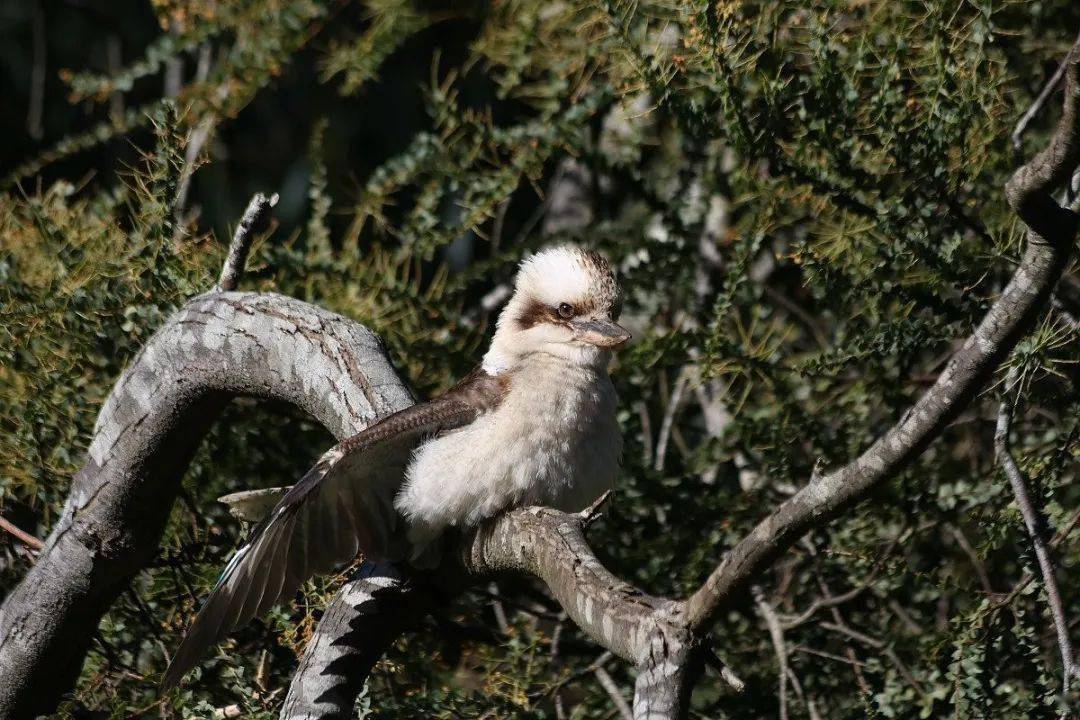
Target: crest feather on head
[
  {"x": 570, "y": 274},
  {"x": 534, "y": 320}
]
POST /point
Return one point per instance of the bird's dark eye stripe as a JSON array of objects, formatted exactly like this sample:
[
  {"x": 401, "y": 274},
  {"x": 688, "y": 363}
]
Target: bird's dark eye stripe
[{"x": 536, "y": 313}]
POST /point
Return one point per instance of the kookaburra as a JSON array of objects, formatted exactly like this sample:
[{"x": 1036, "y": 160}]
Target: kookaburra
[{"x": 534, "y": 424}]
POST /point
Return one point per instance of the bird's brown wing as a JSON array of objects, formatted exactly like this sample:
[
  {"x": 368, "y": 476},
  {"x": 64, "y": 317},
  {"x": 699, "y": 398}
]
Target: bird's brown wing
[{"x": 342, "y": 506}]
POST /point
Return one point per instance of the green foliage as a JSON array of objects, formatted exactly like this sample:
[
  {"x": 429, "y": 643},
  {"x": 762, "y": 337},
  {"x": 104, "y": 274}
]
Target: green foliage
[
  {"x": 357, "y": 60},
  {"x": 803, "y": 200}
]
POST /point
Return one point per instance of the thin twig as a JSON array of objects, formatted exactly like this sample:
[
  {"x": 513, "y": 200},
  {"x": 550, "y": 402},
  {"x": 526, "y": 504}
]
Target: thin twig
[
  {"x": 591, "y": 513},
  {"x": 1026, "y": 579},
  {"x": 833, "y": 600},
  {"x": 793, "y": 308},
  {"x": 556, "y": 637},
  {"x": 1040, "y": 102},
  {"x": 1033, "y": 519},
  {"x": 905, "y": 618},
  {"x": 560, "y": 706},
  {"x": 973, "y": 557},
  {"x": 614, "y": 693},
  {"x": 776, "y": 635},
  {"x": 196, "y": 139},
  {"x": 24, "y": 537},
  {"x": 646, "y": 433},
  {"x": 601, "y": 660},
  {"x": 844, "y": 629},
  {"x": 533, "y": 610},
  {"x": 34, "y": 111},
  {"x": 726, "y": 673},
  {"x": 849, "y": 651},
  {"x": 498, "y": 223},
  {"x": 674, "y": 401},
  {"x": 498, "y": 609},
  {"x": 253, "y": 217},
  {"x": 828, "y": 655}
]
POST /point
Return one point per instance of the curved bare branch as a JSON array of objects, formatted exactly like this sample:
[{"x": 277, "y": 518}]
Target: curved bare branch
[
  {"x": 217, "y": 346},
  {"x": 550, "y": 545}
]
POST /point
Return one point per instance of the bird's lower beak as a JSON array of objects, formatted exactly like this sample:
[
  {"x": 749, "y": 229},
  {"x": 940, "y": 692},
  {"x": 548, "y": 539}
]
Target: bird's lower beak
[{"x": 601, "y": 333}]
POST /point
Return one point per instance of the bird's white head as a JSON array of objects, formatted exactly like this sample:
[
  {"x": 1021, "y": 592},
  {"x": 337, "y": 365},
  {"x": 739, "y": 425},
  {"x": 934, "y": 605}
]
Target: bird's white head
[{"x": 565, "y": 303}]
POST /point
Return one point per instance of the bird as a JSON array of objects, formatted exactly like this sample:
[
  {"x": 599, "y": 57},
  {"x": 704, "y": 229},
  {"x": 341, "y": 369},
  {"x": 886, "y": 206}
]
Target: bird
[{"x": 533, "y": 424}]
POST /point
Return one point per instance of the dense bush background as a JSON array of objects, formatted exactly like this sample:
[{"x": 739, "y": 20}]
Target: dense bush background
[{"x": 804, "y": 202}]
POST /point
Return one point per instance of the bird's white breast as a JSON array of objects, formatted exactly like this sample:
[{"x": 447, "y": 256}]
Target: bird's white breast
[{"x": 553, "y": 440}]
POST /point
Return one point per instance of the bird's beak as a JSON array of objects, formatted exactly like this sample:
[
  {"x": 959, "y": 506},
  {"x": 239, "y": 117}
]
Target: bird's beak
[{"x": 601, "y": 333}]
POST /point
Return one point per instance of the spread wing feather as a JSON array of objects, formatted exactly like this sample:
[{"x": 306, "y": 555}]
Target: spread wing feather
[{"x": 342, "y": 506}]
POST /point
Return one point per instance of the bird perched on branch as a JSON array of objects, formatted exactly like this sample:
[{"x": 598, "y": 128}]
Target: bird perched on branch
[{"x": 534, "y": 424}]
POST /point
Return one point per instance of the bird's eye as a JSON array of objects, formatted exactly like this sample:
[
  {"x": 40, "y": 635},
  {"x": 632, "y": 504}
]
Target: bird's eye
[{"x": 566, "y": 311}]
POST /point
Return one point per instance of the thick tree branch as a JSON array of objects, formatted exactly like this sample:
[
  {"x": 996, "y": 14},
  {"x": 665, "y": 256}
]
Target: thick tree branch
[
  {"x": 648, "y": 631},
  {"x": 659, "y": 634},
  {"x": 217, "y": 346},
  {"x": 370, "y": 611},
  {"x": 550, "y": 545}
]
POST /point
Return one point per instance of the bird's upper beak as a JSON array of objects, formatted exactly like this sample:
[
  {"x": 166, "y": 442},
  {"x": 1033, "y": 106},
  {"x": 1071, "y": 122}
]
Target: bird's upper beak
[{"x": 601, "y": 333}]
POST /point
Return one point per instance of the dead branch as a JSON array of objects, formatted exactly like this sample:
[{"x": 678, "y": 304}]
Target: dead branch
[
  {"x": 254, "y": 216},
  {"x": 1033, "y": 520},
  {"x": 217, "y": 346},
  {"x": 776, "y": 635}
]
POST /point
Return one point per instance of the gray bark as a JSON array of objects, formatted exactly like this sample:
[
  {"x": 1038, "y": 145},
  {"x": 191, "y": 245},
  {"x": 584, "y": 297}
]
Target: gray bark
[
  {"x": 254, "y": 216},
  {"x": 649, "y": 631},
  {"x": 371, "y": 610},
  {"x": 217, "y": 346}
]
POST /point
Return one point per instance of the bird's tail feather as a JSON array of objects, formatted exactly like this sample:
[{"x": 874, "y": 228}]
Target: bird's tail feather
[{"x": 294, "y": 542}]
